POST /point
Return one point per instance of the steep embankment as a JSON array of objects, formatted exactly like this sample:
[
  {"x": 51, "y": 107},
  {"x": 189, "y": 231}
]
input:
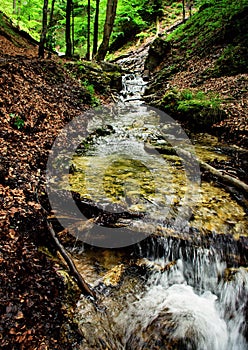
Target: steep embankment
[
  {"x": 37, "y": 98},
  {"x": 15, "y": 42},
  {"x": 200, "y": 73}
]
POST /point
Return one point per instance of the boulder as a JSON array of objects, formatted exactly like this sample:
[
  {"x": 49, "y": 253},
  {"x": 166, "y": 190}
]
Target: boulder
[{"x": 156, "y": 54}]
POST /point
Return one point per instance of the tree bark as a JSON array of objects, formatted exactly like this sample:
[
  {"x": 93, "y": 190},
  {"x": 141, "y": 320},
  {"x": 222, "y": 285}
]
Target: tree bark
[
  {"x": 14, "y": 7},
  {"x": 96, "y": 25},
  {"x": 68, "y": 52},
  {"x": 19, "y": 10},
  {"x": 183, "y": 3},
  {"x": 88, "y": 32},
  {"x": 73, "y": 29},
  {"x": 44, "y": 30},
  {"x": 108, "y": 27},
  {"x": 49, "y": 39},
  {"x": 229, "y": 180}
]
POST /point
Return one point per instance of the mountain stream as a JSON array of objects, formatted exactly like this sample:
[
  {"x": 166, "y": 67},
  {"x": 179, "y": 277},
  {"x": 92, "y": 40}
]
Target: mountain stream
[{"x": 180, "y": 280}]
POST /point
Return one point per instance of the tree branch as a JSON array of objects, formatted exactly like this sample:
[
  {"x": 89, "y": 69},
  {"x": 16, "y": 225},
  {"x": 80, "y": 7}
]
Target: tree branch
[{"x": 73, "y": 270}]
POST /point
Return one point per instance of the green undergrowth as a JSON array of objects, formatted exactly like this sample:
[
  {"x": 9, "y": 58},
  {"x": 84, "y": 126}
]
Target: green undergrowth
[
  {"x": 233, "y": 60},
  {"x": 199, "y": 109},
  {"x": 17, "y": 34},
  {"x": 94, "y": 78},
  {"x": 215, "y": 23},
  {"x": 134, "y": 32}
]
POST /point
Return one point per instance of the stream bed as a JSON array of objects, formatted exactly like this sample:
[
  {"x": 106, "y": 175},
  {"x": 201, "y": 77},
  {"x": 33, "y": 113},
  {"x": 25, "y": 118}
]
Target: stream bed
[{"x": 173, "y": 274}]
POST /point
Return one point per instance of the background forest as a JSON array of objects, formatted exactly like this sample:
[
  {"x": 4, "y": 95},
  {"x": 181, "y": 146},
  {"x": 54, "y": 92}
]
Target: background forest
[{"x": 136, "y": 19}]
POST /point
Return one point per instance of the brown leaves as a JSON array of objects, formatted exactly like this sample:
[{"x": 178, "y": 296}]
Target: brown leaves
[
  {"x": 31, "y": 292},
  {"x": 232, "y": 89}
]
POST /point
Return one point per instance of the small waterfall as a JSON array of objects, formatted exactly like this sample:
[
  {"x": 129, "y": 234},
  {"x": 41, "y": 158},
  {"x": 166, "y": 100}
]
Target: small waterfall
[
  {"x": 177, "y": 315},
  {"x": 233, "y": 304},
  {"x": 194, "y": 321},
  {"x": 189, "y": 299},
  {"x": 133, "y": 86},
  {"x": 188, "y": 302}
]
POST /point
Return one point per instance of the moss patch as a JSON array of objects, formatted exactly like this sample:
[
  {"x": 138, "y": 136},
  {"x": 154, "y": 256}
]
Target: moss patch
[{"x": 199, "y": 109}]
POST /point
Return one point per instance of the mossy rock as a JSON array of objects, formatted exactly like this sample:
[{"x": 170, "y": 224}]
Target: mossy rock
[
  {"x": 157, "y": 52},
  {"x": 94, "y": 74},
  {"x": 199, "y": 110}
]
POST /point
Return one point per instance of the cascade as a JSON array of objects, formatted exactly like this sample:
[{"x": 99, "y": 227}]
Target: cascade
[{"x": 185, "y": 285}]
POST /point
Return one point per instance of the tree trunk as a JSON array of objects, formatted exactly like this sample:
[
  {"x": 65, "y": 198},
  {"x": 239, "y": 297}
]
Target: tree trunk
[
  {"x": 226, "y": 178},
  {"x": 88, "y": 32},
  {"x": 44, "y": 30},
  {"x": 19, "y": 10},
  {"x": 183, "y": 2},
  {"x": 68, "y": 29},
  {"x": 96, "y": 25},
  {"x": 50, "y": 35},
  {"x": 73, "y": 270},
  {"x": 14, "y": 7},
  {"x": 108, "y": 27},
  {"x": 73, "y": 30}
]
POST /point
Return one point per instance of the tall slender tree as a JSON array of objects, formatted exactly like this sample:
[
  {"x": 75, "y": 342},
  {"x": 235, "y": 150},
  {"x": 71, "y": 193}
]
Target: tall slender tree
[
  {"x": 73, "y": 29},
  {"x": 96, "y": 26},
  {"x": 14, "y": 7},
  {"x": 68, "y": 51},
  {"x": 190, "y": 5},
  {"x": 88, "y": 31},
  {"x": 108, "y": 27},
  {"x": 49, "y": 31},
  {"x": 183, "y": 3},
  {"x": 19, "y": 4},
  {"x": 41, "y": 52}
]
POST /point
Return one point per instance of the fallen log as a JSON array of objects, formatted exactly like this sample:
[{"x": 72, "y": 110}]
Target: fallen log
[
  {"x": 220, "y": 174},
  {"x": 224, "y": 177}
]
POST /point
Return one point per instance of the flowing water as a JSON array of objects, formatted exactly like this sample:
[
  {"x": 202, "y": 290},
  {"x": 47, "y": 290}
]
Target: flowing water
[{"x": 184, "y": 284}]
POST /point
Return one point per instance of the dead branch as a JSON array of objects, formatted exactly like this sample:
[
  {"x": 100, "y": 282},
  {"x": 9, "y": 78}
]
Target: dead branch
[
  {"x": 224, "y": 177},
  {"x": 73, "y": 270}
]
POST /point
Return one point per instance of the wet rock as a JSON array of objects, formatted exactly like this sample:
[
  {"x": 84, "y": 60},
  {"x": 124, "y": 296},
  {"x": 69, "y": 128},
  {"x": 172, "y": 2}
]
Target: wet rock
[
  {"x": 113, "y": 277},
  {"x": 146, "y": 75},
  {"x": 109, "y": 217},
  {"x": 115, "y": 80},
  {"x": 156, "y": 54}
]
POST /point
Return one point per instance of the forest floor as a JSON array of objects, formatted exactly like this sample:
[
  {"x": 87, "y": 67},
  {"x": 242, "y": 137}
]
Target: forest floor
[{"x": 37, "y": 98}]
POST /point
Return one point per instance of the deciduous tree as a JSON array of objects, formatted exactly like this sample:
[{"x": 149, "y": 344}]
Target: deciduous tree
[
  {"x": 96, "y": 26},
  {"x": 108, "y": 27},
  {"x": 44, "y": 30},
  {"x": 88, "y": 31},
  {"x": 68, "y": 29}
]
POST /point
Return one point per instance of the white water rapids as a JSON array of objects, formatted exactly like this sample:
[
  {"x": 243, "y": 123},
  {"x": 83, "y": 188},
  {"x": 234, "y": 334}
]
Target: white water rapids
[{"x": 207, "y": 321}]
